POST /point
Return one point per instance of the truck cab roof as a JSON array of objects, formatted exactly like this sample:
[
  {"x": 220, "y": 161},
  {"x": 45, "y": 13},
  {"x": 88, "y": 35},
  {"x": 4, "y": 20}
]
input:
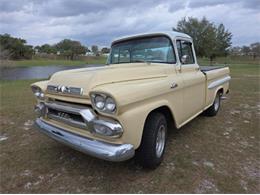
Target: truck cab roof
[{"x": 172, "y": 34}]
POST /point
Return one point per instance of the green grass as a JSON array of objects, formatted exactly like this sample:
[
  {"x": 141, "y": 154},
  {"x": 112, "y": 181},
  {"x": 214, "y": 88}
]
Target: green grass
[
  {"x": 15, "y": 96},
  {"x": 50, "y": 62},
  {"x": 33, "y": 163},
  {"x": 238, "y": 65},
  {"x": 244, "y": 69},
  {"x": 246, "y": 60}
]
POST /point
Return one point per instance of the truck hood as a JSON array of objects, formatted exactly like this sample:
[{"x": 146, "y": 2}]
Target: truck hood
[{"x": 89, "y": 78}]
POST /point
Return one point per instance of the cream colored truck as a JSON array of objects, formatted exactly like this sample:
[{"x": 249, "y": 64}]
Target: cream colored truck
[{"x": 151, "y": 84}]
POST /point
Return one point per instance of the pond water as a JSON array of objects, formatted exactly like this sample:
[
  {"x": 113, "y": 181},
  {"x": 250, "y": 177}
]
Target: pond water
[{"x": 36, "y": 72}]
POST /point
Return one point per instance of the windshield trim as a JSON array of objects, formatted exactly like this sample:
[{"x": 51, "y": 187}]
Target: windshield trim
[{"x": 143, "y": 37}]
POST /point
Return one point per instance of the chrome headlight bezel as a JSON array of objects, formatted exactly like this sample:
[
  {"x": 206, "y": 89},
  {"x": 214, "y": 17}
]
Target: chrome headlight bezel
[
  {"x": 37, "y": 91},
  {"x": 103, "y": 102}
]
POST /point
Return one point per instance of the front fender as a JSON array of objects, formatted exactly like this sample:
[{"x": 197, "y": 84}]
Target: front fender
[
  {"x": 134, "y": 118},
  {"x": 41, "y": 84},
  {"x": 136, "y": 99}
]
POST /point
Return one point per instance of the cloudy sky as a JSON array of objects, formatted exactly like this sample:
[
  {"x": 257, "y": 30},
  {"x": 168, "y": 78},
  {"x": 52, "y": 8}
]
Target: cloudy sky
[{"x": 100, "y": 21}]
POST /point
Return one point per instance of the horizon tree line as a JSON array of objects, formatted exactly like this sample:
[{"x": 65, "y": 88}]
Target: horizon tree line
[{"x": 16, "y": 48}]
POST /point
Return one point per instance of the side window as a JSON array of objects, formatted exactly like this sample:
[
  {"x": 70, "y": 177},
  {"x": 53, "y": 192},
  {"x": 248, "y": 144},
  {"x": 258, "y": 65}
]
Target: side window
[
  {"x": 124, "y": 56},
  {"x": 185, "y": 52},
  {"x": 114, "y": 56},
  {"x": 120, "y": 55}
]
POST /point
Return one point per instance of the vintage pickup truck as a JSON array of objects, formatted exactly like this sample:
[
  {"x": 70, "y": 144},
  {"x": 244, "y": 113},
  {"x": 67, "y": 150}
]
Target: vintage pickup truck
[{"x": 150, "y": 85}]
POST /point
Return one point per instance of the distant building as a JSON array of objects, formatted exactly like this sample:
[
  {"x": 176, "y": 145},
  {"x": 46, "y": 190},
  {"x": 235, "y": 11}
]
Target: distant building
[
  {"x": 36, "y": 50},
  {"x": 105, "y": 54},
  {"x": 89, "y": 53}
]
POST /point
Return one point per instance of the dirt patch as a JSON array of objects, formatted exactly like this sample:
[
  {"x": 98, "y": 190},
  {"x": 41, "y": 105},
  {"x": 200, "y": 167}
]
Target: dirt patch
[{"x": 206, "y": 186}]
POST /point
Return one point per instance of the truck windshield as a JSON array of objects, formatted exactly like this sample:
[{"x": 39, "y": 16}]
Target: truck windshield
[{"x": 149, "y": 49}]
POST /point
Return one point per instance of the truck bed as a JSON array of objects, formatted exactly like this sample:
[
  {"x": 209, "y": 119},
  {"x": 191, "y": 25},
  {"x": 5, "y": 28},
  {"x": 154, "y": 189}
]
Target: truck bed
[
  {"x": 216, "y": 76},
  {"x": 209, "y": 68}
]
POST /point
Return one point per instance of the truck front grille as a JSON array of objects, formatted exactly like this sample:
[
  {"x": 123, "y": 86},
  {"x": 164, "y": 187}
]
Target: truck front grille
[{"x": 66, "y": 113}]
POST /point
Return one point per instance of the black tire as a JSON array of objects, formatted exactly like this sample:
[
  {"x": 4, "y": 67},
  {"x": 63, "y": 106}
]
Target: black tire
[
  {"x": 150, "y": 153},
  {"x": 213, "y": 110}
]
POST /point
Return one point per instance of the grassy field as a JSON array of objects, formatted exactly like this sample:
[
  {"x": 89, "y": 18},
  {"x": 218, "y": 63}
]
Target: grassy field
[
  {"x": 52, "y": 62},
  {"x": 209, "y": 155},
  {"x": 245, "y": 60}
]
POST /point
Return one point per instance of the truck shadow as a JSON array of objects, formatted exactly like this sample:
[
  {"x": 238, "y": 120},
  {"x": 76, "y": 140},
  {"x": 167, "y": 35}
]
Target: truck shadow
[{"x": 75, "y": 160}]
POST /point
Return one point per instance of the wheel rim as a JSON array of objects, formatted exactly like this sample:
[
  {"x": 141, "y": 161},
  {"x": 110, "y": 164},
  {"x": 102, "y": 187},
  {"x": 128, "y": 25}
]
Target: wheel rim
[
  {"x": 216, "y": 103},
  {"x": 160, "y": 141}
]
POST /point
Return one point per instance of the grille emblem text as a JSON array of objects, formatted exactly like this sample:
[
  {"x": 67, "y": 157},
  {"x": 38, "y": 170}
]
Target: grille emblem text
[
  {"x": 63, "y": 115},
  {"x": 65, "y": 89}
]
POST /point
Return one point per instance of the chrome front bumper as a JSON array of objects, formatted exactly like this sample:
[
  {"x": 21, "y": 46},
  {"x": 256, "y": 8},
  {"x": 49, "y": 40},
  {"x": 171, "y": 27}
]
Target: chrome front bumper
[{"x": 99, "y": 149}]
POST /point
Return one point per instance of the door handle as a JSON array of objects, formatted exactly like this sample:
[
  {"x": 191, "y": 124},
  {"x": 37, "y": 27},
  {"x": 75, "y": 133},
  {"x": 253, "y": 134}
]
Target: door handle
[{"x": 174, "y": 85}]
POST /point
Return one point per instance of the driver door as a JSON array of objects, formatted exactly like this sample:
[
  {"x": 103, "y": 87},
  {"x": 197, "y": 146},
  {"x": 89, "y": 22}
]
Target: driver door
[{"x": 193, "y": 79}]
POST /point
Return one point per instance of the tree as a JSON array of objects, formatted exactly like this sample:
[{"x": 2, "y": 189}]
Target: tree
[
  {"x": 4, "y": 53},
  {"x": 14, "y": 48},
  {"x": 94, "y": 49},
  {"x": 46, "y": 48},
  {"x": 235, "y": 50},
  {"x": 105, "y": 50},
  {"x": 209, "y": 40},
  {"x": 251, "y": 50},
  {"x": 245, "y": 50},
  {"x": 70, "y": 48},
  {"x": 255, "y": 49},
  {"x": 223, "y": 40}
]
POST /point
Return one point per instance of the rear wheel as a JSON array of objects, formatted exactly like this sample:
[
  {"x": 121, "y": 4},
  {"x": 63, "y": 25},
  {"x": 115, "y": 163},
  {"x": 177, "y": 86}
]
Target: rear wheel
[
  {"x": 151, "y": 151},
  {"x": 213, "y": 110}
]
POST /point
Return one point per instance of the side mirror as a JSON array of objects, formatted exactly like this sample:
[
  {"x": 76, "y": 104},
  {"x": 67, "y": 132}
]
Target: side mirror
[{"x": 185, "y": 59}]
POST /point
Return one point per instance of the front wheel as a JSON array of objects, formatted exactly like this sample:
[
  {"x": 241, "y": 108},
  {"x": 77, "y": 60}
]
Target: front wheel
[
  {"x": 150, "y": 153},
  {"x": 213, "y": 110}
]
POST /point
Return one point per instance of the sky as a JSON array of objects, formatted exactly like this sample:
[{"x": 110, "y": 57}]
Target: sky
[{"x": 99, "y": 22}]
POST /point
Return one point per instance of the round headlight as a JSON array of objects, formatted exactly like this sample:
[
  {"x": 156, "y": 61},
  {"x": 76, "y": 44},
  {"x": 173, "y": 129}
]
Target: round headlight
[
  {"x": 103, "y": 102},
  {"x": 99, "y": 102},
  {"x": 37, "y": 92},
  {"x": 110, "y": 104}
]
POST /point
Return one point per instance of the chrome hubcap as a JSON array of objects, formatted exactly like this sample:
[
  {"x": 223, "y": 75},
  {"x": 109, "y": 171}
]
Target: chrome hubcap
[
  {"x": 160, "y": 141},
  {"x": 216, "y": 103}
]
